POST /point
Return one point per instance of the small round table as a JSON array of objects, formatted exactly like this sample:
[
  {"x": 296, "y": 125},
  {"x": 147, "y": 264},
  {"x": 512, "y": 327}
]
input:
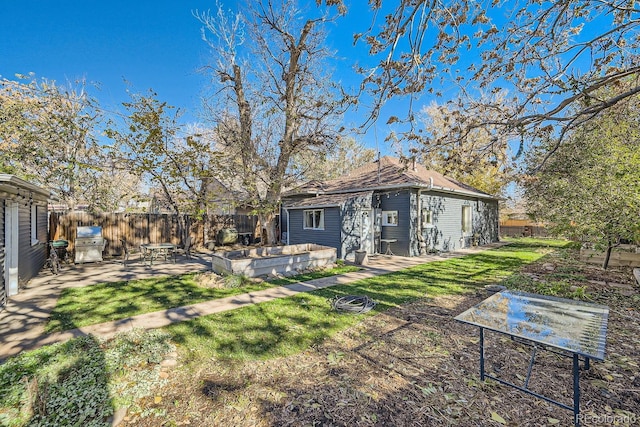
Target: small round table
[{"x": 388, "y": 242}]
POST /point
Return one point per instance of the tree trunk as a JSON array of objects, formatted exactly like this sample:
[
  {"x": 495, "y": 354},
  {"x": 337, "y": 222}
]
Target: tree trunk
[
  {"x": 268, "y": 225},
  {"x": 607, "y": 256}
]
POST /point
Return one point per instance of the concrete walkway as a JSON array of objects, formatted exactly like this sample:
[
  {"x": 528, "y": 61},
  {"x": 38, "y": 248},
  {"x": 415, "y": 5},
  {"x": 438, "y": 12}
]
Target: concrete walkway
[{"x": 22, "y": 322}]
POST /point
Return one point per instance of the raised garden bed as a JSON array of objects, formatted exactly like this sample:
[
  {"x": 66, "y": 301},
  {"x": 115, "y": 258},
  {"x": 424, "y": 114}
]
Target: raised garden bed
[
  {"x": 272, "y": 260},
  {"x": 621, "y": 256}
]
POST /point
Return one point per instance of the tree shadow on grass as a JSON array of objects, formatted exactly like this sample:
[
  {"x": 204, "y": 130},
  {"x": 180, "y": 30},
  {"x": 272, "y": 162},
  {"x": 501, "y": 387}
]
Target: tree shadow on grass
[
  {"x": 259, "y": 331},
  {"x": 113, "y": 301}
]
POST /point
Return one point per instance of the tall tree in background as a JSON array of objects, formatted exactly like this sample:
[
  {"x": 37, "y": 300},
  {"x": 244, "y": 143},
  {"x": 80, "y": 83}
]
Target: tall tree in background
[
  {"x": 475, "y": 158},
  {"x": 47, "y": 136},
  {"x": 547, "y": 61},
  {"x": 347, "y": 154},
  {"x": 589, "y": 189},
  {"x": 274, "y": 98},
  {"x": 152, "y": 144}
]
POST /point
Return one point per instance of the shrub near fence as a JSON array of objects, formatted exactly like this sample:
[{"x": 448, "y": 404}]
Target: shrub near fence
[
  {"x": 138, "y": 229},
  {"x": 522, "y": 228}
]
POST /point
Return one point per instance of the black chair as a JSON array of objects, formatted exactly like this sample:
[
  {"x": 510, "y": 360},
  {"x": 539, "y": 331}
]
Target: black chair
[
  {"x": 187, "y": 247},
  {"x": 125, "y": 252}
]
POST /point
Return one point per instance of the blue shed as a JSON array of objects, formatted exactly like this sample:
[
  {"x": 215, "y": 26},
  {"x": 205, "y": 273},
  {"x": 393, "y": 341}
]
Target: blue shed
[{"x": 23, "y": 233}]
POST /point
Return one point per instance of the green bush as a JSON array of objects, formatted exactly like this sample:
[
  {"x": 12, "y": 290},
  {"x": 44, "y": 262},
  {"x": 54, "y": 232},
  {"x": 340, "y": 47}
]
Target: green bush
[{"x": 81, "y": 381}]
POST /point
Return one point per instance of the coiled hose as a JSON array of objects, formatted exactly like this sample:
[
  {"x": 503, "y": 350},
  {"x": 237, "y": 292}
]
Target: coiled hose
[{"x": 355, "y": 304}]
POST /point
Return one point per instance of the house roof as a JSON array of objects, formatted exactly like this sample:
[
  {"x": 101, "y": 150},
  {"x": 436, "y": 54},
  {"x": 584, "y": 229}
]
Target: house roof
[
  {"x": 12, "y": 184},
  {"x": 325, "y": 200},
  {"x": 386, "y": 174}
]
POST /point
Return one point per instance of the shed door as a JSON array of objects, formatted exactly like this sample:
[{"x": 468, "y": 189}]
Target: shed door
[
  {"x": 366, "y": 231},
  {"x": 11, "y": 248},
  {"x": 377, "y": 230}
]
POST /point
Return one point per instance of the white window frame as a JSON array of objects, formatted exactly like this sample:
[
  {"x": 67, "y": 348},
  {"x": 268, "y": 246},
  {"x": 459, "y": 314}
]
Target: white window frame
[
  {"x": 467, "y": 223},
  {"x": 427, "y": 218},
  {"x": 34, "y": 224},
  {"x": 317, "y": 223},
  {"x": 387, "y": 215}
]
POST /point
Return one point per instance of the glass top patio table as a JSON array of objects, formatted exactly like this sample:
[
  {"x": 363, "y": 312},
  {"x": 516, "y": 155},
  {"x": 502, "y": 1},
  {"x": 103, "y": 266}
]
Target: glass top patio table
[
  {"x": 573, "y": 326},
  {"x": 153, "y": 250}
]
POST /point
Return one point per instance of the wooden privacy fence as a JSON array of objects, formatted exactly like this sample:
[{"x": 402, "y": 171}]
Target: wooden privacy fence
[
  {"x": 522, "y": 228},
  {"x": 138, "y": 229}
]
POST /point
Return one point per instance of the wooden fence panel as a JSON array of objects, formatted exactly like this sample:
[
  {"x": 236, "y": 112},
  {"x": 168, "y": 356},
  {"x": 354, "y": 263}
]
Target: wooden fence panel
[
  {"x": 138, "y": 229},
  {"x": 523, "y": 231}
]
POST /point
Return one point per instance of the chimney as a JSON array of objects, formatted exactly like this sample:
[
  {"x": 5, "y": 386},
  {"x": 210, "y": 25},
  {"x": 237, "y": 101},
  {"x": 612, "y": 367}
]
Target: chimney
[{"x": 413, "y": 160}]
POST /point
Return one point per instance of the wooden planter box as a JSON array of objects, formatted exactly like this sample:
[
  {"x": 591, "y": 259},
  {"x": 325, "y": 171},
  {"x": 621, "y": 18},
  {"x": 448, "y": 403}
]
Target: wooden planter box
[{"x": 618, "y": 258}]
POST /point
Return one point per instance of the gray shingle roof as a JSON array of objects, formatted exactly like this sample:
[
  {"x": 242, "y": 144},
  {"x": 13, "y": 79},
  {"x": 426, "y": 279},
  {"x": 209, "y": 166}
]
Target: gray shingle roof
[
  {"x": 388, "y": 173},
  {"x": 325, "y": 200}
]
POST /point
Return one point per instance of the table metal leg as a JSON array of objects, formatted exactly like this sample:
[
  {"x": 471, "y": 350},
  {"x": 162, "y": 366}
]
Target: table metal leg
[
  {"x": 533, "y": 358},
  {"x": 576, "y": 390},
  {"x": 481, "y": 354}
]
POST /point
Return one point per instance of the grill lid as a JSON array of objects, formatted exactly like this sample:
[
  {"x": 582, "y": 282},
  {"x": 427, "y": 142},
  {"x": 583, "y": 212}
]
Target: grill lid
[{"x": 89, "y": 231}]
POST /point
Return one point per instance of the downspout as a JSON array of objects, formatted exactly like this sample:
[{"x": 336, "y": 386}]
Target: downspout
[
  {"x": 419, "y": 233},
  {"x": 288, "y": 230}
]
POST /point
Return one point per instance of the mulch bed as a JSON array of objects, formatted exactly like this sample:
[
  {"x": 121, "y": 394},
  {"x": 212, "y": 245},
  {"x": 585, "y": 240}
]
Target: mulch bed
[{"x": 416, "y": 366}]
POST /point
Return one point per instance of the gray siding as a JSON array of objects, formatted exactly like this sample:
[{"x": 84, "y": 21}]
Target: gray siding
[
  {"x": 397, "y": 201},
  {"x": 414, "y": 248},
  {"x": 343, "y": 228},
  {"x": 485, "y": 222},
  {"x": 330, "y": 236},
  {"x": 446, "y": 233},
  {"x": 351, "y": 230},
  {"x": 31, "y": 258}
]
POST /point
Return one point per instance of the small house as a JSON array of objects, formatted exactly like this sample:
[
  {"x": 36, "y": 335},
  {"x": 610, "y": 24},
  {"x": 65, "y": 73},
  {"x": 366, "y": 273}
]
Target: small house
[
  {"x": 390, "y": 207},
  {"x": 23, "y": 233}
]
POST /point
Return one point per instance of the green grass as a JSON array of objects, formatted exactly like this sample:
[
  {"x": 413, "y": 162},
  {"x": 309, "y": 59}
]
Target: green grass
[
  {"x": 82, "y": 381},
  {"x": 106, "y": 302},
  {"x": 287, "y": 326},
  {"x": 340, "y": 269}
]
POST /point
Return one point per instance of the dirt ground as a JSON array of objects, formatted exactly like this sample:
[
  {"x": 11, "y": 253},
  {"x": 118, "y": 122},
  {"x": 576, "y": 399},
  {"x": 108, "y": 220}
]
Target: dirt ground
[{"x": 416, "y": 366}]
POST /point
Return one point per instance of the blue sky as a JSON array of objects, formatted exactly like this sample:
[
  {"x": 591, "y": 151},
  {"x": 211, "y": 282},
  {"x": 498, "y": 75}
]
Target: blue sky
[{"x": 150, "y": 44}]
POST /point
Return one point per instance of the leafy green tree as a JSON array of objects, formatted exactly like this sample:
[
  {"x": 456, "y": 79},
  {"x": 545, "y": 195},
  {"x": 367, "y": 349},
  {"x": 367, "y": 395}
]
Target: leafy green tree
[
  {"x": 589, "y": 188},
  {"x": 151, "y": 143}
]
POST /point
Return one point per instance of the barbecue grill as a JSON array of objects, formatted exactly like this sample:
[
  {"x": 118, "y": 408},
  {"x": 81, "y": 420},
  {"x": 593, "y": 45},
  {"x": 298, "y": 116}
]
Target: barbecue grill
[{"x": 89, "y": 245}]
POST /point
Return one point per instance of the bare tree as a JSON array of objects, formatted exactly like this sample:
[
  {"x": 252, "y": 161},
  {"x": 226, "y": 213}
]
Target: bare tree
[
  {"x": 273, "y": 97},
  {"x": 548, "y": 61},
  {"x": 475, "y": 156}
]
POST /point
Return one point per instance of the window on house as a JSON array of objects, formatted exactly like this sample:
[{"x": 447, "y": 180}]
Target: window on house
[
  {"x": 314, "y": 219},
  {"x": 466, "y": 219},
  {"x": 427, "y": 218},
  {"x": 34, "y": 224},
  {"x": 390, "y": 218}
]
